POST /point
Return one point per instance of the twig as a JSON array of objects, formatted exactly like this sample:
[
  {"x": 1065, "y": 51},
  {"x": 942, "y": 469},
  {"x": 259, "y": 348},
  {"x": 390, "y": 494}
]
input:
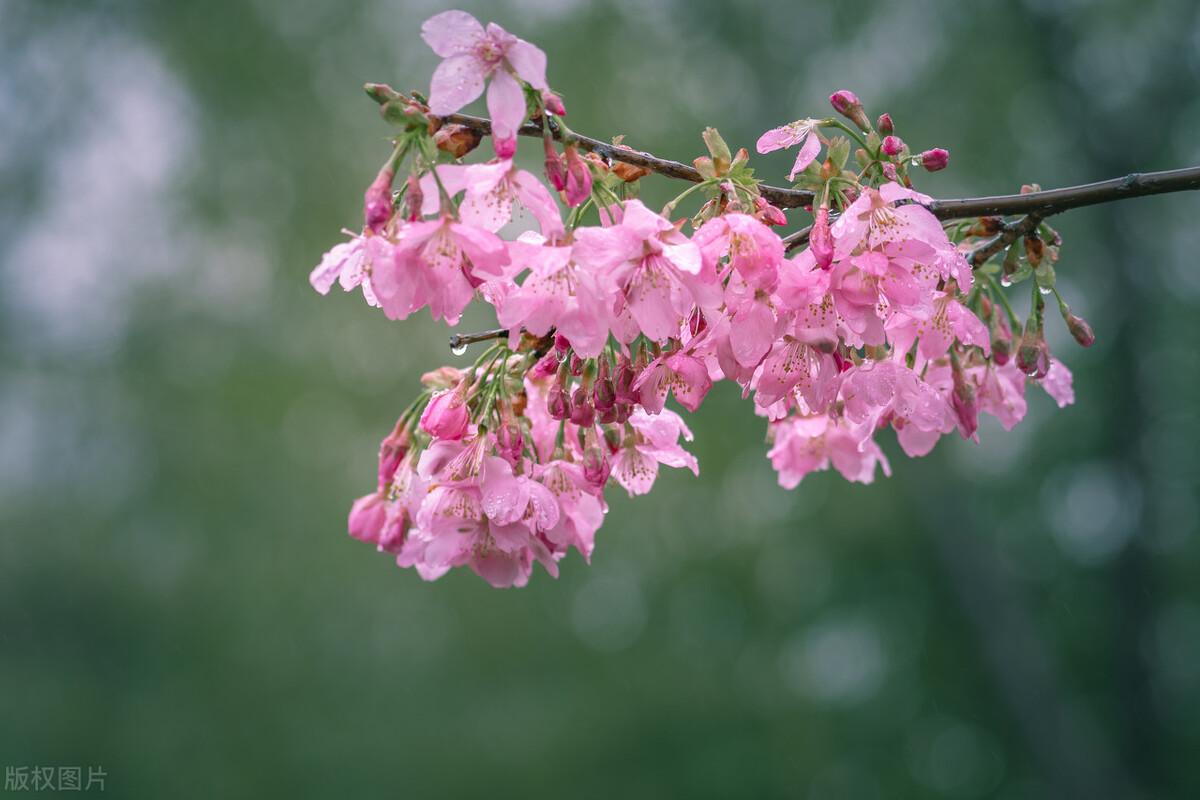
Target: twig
[
  {"x": 460, "y": 340},
  {"x": 1009, "y": 234}
]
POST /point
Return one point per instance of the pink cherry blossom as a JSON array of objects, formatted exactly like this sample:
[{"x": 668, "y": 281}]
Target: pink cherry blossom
[
  {"x": 659, "y": 273},
  {"x": 810, "y": 444},
  {"x": 490, "y": 190},
  {"x": 473, "y": 54},
  {"x": 1058, "y": 383},
  {"x": 802, "y": 132},
  {"x": 755, "y": 251},
  {"x": 874, "y": 392},
  {"x": 447, "y": 415},
  {"x": 950, "y": 321},
  {"x": 350, "y": 263},
  {"x": 680, "y": 373},
  {"x": 437, "y": 264},
  {"x": 654, "y": 440},
  {"x": 557, "y": 294}
]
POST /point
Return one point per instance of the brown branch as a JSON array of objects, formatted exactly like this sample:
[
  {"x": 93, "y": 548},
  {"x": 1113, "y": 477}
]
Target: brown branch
[
  {"x": 1042, "y": 204},
  {"x": 458, "y": 340},
  {"x": 1008, "y": 234}
]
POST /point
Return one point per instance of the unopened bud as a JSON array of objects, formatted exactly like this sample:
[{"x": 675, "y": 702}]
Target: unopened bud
[
  {"x": 576, "y": 365},
  {"x": 768, "y": 213},
  {"x": 596, "y": 467},
  {"x": 556, "y": 172},
  {"x": 583, "y": 413},
  {"x": 1079, "y": 328},
  {"x": 963, "y": 401},
  {"x": 1029, "y": 353},
  {"x": 820, "y": 241},
  {"x": 558, "y": 405},
  {"x": 849, "y": 106},
  {"x": 579, "y": 178},
  {"x": 718, "y": 150},
  {"x": 935, "y": 159},
  {"x": 892, "y": 145},
  {"x": 414, "y": 198},
  {"x": 553, "y": 103},
  {"x": 623, "y": 384},
  {"x": 380, "y": 92},
  {"x": 884, "y": 124},
  {"x": 1035, "y": 248},
  {"x": 377, "y": 201},
  {"x": 605, "y": 394}
]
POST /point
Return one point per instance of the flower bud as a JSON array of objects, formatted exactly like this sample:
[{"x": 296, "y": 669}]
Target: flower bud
[
  {"x": 964, "y": 402},
  {"x": 605, "y": 394},
  {"x": 556, "y": 173},
  {"x": 884, "y": 124},
  {"x": 892, "y": 145},
  {"x": 718, "y": 150},
  {"x": 457, "y": 140},
  {"x": 1032, "y": 352},
  {"x": 1035, "y": 248},
  {"x": 849, "y": 106},
  {"x": 768, "y": 213},
  {"x": 583, "y": 413},
  {"x": 377, "y": 201},
  {"x": 392, "y": 451},
  {"x": 576, "y": 365},
  {"x": 558, "y": 405},
  {"x": 1080, "y": 329},
  {"x": 367, "y": 517},
  {"x": 553, "y": 103},
  {"x": 380, "y": 92},
  {"x": 414, "y": 198},
  {"x": 447, "y": 416},
  {"x": 935, "y": 159},
  {"x": 596, "y": 467},
  {"x": 623, "y": 385},
  {"x": 509, "y": 442},
  {"x": 1002, "y": 343},
  {"x": 820, "y": 240},
  {"x": 579, "y": 178}
]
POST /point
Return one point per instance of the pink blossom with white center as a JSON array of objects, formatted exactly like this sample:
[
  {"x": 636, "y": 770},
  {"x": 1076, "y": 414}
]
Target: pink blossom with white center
[
  {"x": 659, "y": 273},
  {"x": 472, "y": 54},
  {"x": 802, "y": 132},
  {"x": 680, "y": 373},
  {"x": 653, "y": 441},
  {"x": 557, "y": 294},
  {"x": 437, "y": 263},
  {"x": 810, "y": 444},
  {"x": 490, "y": 190}
]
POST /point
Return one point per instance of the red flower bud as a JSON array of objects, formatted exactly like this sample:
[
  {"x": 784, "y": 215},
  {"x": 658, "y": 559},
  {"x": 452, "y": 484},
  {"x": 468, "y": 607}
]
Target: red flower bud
[
  {"x": 849, "y": 106},
  {"x": 935, "y": 159},
  {"x": 558, "y": 405},
  {"x": 1081, "y": 330},
  {"x": 583, "y": 413},
  {"x": 892, "y": 145},
  {"x": 579, "y": 178},
  {"x": 553, "y": 103},
  {"x": 556, "y": 173},
  {"x": 820, "y": 241},
  {"x": 884, "y": 124},
  {"x": 377, "y": 202}
]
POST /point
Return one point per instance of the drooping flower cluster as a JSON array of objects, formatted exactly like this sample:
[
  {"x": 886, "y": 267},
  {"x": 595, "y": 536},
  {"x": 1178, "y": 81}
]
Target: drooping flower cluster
[{"x": 881, "y": 322}]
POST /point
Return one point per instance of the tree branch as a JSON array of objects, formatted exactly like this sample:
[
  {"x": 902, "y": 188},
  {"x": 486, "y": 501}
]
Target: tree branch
[{"x": 1042, "y": 204}]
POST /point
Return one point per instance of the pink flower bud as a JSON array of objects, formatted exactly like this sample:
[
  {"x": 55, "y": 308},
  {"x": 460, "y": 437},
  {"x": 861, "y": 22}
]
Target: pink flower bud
[
  {"x": 820, "y": 240},
  {"x": 556, "y": 173},
  {"x": 413, "y": 199},
  {"x": 395, "y": 529},
  {"x": 768, "y": 213},
  {"x": 884, "y": 124},
  {"x": 1081, "y": 330},
  {"x": 596, "y": 467},
  {"x": 553, "y": 103},
  {"x": 935, "y": 159},
  {"x": 892, "y": 145},
  {"x": 367, "y": 517},
  {"x": 558, "y": 405},
  {"x": 583, "y": 413},
  {"x": 391, "y": 451},
  {"x": 623, "y": 385},
  {"x": 510, "y": 443},
  {"x": 377, "y": 202},
  {"x": 579, "y": 178},
  {"x": 849, "y": 106},
  {"x": 963, "y": 401},
  {"x": 447, "y": 416},
  {"x": 1029, "y": 353}
]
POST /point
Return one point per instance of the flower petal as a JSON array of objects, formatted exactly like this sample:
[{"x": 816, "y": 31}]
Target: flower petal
[
  {"x": 456, "y": 82},
  {"x": 451, "y": 33}
]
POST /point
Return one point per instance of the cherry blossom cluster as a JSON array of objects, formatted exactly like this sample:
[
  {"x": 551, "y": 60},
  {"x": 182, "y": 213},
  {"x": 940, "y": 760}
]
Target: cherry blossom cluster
[{"x": 883, "y": 321}]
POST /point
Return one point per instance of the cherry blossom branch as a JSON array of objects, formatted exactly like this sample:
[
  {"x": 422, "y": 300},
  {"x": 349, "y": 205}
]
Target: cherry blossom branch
[
  {"x": 460, "y": 340},
  {"x": 1008, "y": 234},
  {"x": 1043, "y": 203}
]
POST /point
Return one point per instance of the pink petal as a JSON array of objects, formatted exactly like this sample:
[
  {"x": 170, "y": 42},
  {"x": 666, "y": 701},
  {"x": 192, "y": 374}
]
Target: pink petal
[
  {"x": 451, "y": 33},
  {"x": 534, "y": 195},
  {"x": 529, "y": 62},
  {"x": 808, "y": 152},
  {"x": 485, "y": 249},
  {"x": 506, "y": 105},
  {"x": 751, "y": 333},
  {"x": 634, "y": 471},
  {"x": 456, "y": 82},
  {"x": 691, "y": 380}
]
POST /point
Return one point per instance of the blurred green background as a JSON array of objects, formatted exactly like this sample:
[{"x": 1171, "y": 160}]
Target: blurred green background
[{"x": 184, "y": 422}]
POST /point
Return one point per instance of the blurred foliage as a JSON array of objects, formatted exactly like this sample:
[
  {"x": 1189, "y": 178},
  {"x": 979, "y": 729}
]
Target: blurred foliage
[{"x": 183, "y": 424}]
